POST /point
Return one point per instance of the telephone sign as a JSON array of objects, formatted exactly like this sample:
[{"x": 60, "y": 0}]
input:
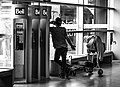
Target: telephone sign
[
  {"x": 37, "y": 11},
  {"x": 19, "y": 11},
  {"x": 44, "y": 12}
]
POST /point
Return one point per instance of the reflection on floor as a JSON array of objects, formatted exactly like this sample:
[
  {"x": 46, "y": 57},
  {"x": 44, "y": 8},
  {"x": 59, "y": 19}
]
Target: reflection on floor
[{"x": 111, "y": 78}]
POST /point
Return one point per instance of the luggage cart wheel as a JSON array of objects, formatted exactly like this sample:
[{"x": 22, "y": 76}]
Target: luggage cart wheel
[
  {"x": 100, "y": 72},
  {"x": 90, "y": 70},
  {"x": 74, "y": 73}
]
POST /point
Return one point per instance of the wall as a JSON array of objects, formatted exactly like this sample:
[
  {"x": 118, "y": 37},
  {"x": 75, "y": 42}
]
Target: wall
[{"x": 116, "y": 27}]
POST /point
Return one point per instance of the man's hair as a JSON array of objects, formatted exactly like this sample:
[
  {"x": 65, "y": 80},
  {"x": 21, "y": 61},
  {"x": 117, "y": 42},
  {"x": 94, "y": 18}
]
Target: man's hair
[{"x": 58, "y": 19}]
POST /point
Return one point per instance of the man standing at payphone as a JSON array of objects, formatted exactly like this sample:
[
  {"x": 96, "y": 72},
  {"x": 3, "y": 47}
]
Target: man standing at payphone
[{"x": 59, "y": 38}]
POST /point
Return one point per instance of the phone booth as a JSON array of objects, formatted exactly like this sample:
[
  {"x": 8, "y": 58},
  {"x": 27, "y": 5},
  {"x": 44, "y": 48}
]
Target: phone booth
[
  {"x": 31, "y": 42},
  {"x": 44, "y": 41},
  {"x": 38, "y": 65},
  {"x": 34, "y": 25},
  {"x": 21, "y": 41}
]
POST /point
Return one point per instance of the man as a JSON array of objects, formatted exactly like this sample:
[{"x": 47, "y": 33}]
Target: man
[{"x": 59, "y": 38}]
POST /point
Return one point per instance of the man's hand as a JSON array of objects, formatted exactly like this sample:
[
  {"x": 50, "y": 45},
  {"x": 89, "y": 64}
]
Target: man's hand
[{"x": 73, "y": 47}]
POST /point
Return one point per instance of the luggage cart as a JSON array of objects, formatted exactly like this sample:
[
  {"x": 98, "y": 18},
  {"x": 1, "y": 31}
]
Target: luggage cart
[
  {"x": 94, "y": 44},
  {"x": 90, "y": 65}
]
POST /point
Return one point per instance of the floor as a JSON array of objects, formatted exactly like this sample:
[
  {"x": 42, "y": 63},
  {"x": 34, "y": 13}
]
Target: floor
[{"x": 110, "y": 78}]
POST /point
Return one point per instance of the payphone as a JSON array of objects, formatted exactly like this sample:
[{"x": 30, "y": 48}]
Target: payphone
[
  {"x": 31, "y": 42},
  {"x": 19, "y": 36},
  {"x": 20, "y": 20}
]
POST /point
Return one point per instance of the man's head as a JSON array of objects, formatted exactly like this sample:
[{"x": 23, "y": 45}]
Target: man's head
[{"x": 58, "y": 21}]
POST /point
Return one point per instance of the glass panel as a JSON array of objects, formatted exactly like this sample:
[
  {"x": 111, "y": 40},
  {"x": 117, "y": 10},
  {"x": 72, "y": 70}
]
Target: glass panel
[
  {"x": 96, "y": 2},
  {"x": 94, "y": 15},
  {"x": 89, "y": 2},
  {"x": 55, "y": 11},
  {"x": 101, "y": 3},
  {"x": 68, "y": 14},
  {"x": 72, "y": 37},
  {"x": 67, "y": 1},
  {"x": 111, "y": 3},
  {"x": 88, "y": 15}
]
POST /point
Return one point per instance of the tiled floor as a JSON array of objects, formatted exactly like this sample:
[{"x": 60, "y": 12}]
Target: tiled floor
[{"x": 111, "y": 78}]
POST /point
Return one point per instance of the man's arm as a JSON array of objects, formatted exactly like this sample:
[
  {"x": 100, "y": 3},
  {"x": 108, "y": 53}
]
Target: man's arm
[{"x": 69, "y": 41}]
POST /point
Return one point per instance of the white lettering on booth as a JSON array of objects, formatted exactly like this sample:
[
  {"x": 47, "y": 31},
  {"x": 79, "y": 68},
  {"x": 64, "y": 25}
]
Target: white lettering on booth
[
  {"x": 19, "y": 11},
  {"x": 44, "y": 12}
]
